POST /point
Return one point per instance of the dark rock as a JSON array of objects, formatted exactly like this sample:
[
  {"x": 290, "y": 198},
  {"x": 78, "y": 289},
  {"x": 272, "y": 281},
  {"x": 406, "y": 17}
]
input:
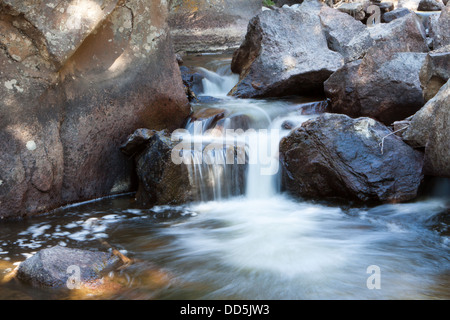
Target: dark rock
[
  {"x": 161, "y": 181},
  {"x": 192, "y": 79},
  {"x": 50, "y": 267},
  {"x": 395, "y": 14},
  {"x": 430, "y": 5},
  {"x": 387, "y": 92},
  {"x": 435, "y": 72},
  {"x": 288, "y": 125},
  {"x": 371, "y": 86},
  {"x": 297, "y": 62},
  {"x": 430, "y": 128},
  {"x": 315, "y": 107},
  {"x": 137, "y": 141},
  {"x": 207, "y": 99},
  {"x": 359, "y": 159}
]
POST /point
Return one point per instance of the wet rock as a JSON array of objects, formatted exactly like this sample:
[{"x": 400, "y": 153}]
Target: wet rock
[
  {"x": 210, "y": 25},
  {"x": 161, "y": 180},
  {"x": 192, "y": 79},
  {"x": 315, "y": 107},
  {"x": 54, "y": 266},
  {"x": 430, "y": 5},
  {"x": 287, "y": 125},
  {"x": 208, "y": 116},
  {"x": 395, "y": 14},
  {"x": 430, "y": 129},
  {"x": 387, "y": 92},
  {"x": 207, "y": 99},
  {"x": 435, "y": 72},
  {"x": 277, "y": 59},
  {"x": 75, "y": 80},
  {"x": 359, "y": 159}
]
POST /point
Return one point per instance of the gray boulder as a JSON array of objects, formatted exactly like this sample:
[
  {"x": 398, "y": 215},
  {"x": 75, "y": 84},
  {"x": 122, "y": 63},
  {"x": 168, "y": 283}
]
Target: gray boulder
[
  {"x": 50, "y": 267},
  {"x": 335, "y": 156},
  {"x": 285, "y": 52},
  {"x": 386, "y": 91}
]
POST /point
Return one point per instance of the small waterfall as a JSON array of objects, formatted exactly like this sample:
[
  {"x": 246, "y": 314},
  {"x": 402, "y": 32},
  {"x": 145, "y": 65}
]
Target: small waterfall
[
  {"x": 218, "y": 83},
  {"x": 234, "y": 144}
]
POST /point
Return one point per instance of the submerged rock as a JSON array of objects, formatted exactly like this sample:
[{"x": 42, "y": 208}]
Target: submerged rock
[
  {"x": 54, "y": 266},
  {"x": 430, "y": 129},
  {"x": 360, "y": 159},
  {"x": 192, "y": 79},
  {"x": 285, "y": 52}
]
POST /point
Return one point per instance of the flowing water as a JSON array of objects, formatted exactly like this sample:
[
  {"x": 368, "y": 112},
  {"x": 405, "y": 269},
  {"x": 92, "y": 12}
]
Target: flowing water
[{"x": 245, "y": 238}]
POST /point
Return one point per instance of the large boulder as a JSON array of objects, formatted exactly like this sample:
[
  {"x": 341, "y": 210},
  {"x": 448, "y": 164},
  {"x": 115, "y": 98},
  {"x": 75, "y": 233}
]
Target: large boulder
[
  {"x": 371, "y": 86},
  {"x": 52, "y": 267},
  {"x": 358, "y": 159},
  {"x": 75, "y": 80},
  {"x": 285, "y": 52},
  {"x": 387, "y": 92},
  {"x": 210, "y": 25},
  {"x": 430, "y": 129}
]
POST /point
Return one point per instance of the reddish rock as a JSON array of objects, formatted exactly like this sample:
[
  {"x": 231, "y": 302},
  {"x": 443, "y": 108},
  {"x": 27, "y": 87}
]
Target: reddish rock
[{"x": 70, "y": 96}]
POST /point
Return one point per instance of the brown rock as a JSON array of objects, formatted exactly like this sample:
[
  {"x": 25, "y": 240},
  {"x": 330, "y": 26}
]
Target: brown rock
[{"x": 69, "y": 96}]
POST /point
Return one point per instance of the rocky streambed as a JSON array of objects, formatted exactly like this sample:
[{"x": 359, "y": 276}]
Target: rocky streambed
[{"x": 316, "y": 152}]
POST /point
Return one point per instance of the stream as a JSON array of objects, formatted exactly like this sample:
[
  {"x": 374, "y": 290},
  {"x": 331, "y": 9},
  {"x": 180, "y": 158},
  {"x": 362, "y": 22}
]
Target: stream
[{"x": 245, "y": 238}]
